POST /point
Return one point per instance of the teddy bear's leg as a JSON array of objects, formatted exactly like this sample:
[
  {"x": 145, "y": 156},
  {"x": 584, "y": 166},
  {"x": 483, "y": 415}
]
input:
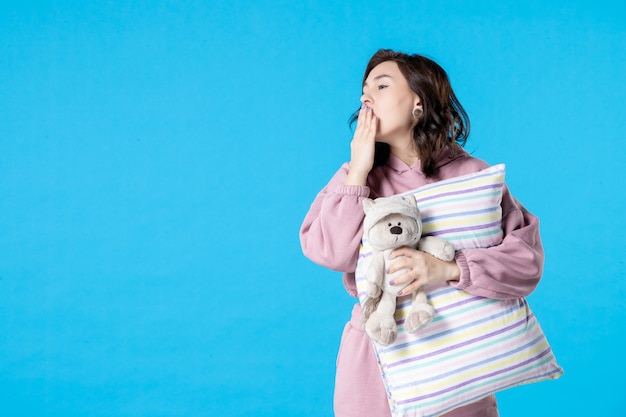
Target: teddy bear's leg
[
  {"x": 421, "y": 313},
  {"x": 381, "y": 325}
]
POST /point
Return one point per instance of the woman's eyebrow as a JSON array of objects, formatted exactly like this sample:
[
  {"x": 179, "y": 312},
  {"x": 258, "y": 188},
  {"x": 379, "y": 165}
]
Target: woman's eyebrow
[{"x": 378, "y": 77}]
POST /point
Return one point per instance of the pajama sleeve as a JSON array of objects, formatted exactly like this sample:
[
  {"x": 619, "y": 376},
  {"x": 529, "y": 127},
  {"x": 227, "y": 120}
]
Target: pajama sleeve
[
  {"x": 331, "y": 232},
  {"x": 513, "y": 268}
]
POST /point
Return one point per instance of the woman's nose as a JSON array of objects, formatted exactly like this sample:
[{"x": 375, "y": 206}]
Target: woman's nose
[{"x": 365, "y": 99}]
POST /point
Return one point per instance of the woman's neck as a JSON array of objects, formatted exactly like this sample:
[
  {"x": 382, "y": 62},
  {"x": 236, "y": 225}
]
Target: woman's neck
[{"x": 407, "y": 154}]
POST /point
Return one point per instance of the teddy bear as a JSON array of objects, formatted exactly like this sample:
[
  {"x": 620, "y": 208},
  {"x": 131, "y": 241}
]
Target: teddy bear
[{"x": 389, "y": 223}]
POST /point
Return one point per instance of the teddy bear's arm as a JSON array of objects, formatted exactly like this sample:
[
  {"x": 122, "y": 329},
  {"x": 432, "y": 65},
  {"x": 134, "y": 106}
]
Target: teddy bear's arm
[
  {"x": 375, "y": 274},
  {"x": 436, "y": 246}
]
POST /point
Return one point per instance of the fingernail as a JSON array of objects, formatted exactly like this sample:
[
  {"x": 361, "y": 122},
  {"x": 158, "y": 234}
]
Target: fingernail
[
  {"x": 400, "y": 292},
  {"x": 368, "y": 108},
  {"x": 391, "y": 283}
]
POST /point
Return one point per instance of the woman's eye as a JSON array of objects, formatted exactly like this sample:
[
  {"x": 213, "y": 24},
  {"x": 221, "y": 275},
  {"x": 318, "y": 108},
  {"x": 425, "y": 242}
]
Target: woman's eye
[{"x": 380, "y": 87}]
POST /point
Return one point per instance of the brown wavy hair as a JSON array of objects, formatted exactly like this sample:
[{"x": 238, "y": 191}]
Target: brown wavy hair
[{"x": 444, "y": 123}]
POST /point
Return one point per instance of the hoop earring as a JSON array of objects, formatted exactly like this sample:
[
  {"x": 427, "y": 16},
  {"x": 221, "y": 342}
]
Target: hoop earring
[{"x": 417, "y": 112}]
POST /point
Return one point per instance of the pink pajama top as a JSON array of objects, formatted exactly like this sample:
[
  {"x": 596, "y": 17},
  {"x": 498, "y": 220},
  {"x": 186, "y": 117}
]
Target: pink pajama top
[{"x": 332, "y": 229}]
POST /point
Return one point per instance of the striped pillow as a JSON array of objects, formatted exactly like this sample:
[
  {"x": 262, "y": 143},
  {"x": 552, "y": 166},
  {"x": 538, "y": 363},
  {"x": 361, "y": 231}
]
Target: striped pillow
[{"x": 474, "y": 346}]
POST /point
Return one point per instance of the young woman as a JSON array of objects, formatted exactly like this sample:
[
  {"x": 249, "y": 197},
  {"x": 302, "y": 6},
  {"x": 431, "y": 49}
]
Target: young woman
[{"x": 410, "y": 132}]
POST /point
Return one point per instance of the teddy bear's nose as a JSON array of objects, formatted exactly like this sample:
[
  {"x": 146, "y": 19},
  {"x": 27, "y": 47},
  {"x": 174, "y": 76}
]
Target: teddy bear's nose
[{"x": 396, "y": 230}]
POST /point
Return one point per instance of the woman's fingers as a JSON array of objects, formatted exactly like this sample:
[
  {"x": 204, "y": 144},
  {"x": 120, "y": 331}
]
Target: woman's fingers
[
  {"x": 414, "y": 286},
  {"x": 366, "y": 124},
  {"x": 363, "y": 147},
  {"x": 369, "y": 123},
  {"x": 421, "y": 269}
]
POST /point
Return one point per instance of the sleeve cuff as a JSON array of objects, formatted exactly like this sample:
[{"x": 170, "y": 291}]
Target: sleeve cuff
[
  {"x": 464, "y": 279},
  {"x": 355, "y": 190}
]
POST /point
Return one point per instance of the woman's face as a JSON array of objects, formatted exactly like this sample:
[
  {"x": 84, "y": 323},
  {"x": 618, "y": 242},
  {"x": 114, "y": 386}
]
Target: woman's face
[{"x": 388, "y": 94}]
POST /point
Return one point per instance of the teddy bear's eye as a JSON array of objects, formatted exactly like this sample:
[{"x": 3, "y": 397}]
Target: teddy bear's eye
[
  {"x": 388, "y": 224},
  {"x": 399, "y": 224}
]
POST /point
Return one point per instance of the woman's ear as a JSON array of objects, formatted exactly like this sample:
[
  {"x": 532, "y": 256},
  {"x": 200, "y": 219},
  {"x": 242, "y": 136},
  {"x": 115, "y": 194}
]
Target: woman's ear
[{"x": 417, "y": 111}]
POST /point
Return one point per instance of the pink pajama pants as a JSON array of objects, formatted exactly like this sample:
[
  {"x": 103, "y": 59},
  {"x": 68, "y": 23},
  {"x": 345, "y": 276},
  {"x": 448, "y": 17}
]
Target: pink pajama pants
[{"x": 359, "y": 389}]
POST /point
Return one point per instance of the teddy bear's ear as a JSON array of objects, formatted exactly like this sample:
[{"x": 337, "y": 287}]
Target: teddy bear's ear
[
  {"x": 367, "y": 204},
  {"x": 411, "y": 200}
]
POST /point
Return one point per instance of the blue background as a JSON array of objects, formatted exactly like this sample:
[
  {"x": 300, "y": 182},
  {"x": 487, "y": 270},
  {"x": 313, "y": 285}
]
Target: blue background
[{"x": 157, "y": 159}]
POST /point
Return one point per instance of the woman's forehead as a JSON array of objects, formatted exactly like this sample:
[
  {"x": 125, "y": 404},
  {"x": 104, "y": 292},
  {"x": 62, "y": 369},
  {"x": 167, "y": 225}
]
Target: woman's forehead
[{"x": 385, "y": 69}]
